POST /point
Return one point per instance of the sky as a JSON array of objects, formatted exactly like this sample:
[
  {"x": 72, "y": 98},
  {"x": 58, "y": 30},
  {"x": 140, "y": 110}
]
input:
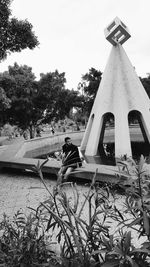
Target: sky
[{"x": 71, "y": 35}]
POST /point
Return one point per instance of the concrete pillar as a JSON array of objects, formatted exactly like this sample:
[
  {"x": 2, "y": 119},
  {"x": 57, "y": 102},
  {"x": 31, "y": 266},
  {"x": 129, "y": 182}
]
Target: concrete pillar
[
  {"x": 122, "y": 136},
  {"x": 91, "y": 152},
  {"x": 86, "y": 135}
]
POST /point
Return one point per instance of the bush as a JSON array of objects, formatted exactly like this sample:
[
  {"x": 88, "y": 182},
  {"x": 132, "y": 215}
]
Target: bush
[
  {"x": 84, "y": 241},
  {"x": 23, "y": 242},
  {"x": 7, "y": 130}
]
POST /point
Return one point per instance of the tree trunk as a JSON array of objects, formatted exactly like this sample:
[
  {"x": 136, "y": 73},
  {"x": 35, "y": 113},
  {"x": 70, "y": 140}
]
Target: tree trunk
[{"x": 32, "y": 131}]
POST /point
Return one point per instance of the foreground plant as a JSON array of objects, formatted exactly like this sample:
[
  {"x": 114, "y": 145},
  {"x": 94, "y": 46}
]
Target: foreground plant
[
  {"x": 93, "y": 235},
  {"x": 23, "y": 242},
  {"x": 78, "y": 238},
  {"x": 137, "y": 202},
  {"x": 136, "y": 214},
  {"x": 82, "y": 226},
  {"x": 83, "y": 241}
]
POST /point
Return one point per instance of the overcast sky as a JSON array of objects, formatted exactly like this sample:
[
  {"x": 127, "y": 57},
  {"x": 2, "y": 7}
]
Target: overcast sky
[{"x": 71, "y": 35}]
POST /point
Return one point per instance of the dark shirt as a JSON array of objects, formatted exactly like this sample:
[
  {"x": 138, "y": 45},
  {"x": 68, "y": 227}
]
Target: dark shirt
[{"x": 71, "y": 155}]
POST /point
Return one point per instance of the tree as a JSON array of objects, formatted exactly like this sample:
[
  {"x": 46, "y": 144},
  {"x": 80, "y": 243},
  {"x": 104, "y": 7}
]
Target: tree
[
  {"x": 68, "y": 99},
  {"x": 89, "y": 86},
  {"x": 58, "y": 100},
  {"x": 34, "y": 102},
  {"x": 4, "y": 105},
  {"x": 15, "y": 34},
  {"x": 21, "y": 88},
  {"x": 51, "y": 86},
  {"x": 146, "y": 83}
]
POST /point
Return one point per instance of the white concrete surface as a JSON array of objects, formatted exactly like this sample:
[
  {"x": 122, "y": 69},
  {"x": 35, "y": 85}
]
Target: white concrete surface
[{"x": 119, "y": 93}]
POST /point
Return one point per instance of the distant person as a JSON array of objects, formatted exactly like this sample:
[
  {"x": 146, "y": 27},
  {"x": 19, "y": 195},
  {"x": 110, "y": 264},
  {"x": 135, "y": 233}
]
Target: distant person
[
  {"x": 70, "y": 160},
  {"x": 52, "y": 130},
  {"x": 78, "y": 128},
  {"x": 63, "y": 129},
  {"x": 25, "y": 135},
  {"x": 38, "y": 132}
]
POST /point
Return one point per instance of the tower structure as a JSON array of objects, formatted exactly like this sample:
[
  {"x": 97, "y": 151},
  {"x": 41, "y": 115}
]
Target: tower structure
[{"x": 120, "y": 95}]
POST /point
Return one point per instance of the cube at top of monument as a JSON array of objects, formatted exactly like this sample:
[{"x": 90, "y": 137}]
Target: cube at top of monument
[{"x": 117, "y": 32}]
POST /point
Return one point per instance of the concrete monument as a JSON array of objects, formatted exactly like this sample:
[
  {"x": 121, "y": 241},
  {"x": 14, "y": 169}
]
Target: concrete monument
[{"x": 120, "y": 95}]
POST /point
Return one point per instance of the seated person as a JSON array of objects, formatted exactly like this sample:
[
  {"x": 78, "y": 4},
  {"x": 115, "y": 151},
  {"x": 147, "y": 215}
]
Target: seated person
[{"x": 70, "y": 160}]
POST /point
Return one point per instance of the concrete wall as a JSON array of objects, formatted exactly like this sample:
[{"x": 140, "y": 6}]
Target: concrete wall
[{"x": 44, "y": 145}]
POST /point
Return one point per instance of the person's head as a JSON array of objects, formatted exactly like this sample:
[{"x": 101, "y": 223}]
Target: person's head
[{"x": 67, "y": 140}]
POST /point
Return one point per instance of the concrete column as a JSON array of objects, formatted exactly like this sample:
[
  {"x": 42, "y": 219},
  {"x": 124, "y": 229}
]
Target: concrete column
[
  {"x": 122, "y": 136},
  {"x": 91, "y": 152},
  {"x": 86, "y": 135},
  {"x": 145, "y": 119}
]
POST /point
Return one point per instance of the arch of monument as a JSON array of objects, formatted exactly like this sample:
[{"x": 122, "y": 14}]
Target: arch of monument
[{"x": 120, "y": 96}]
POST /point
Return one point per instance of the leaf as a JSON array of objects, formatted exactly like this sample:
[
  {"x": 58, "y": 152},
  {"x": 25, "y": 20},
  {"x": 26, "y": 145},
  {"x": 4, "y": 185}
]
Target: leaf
[
  {"x": 135, "y": 222},
  {"x": 132, "y": 262},
  {"x": 127, "y": 241},
  {"x": 111, "y": 264},
  {"x": 38, "y": 165},
  {"x": 20, "y": 222},
  {"x": 146, "y": 245},
  {"x": 141, "y": 250},
  {"x": 119, "y": 213},
  {"x": 51, "y": 225},
  {"x": 59, "y": 237},
  {"x": 32, "y": 209},
  {"x": 44, "y": 162},
  {"x": 141, "y": 163},
  {"x": 49, "y": 222},
  {"x": 146, "y": 223},
  {"x": 117, "y": 251}
]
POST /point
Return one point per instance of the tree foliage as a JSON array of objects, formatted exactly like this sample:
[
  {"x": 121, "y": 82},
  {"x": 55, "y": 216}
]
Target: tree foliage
[
  {"x": 88, "y": 88},
  {"x": 4, "y": 105},
  {"x": 57, "y": 100},
  {"x": 50, "y": 87},
  {"x": 146, "y": 83},
  {"x": 91, "y": 81},
  {"x": 15, "y": 34},
  {"x": 34, "y": 102},
  {"x": 21, "y": 88}
]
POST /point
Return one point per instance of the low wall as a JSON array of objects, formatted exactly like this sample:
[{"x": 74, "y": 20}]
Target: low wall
[
  {"x": 44, "y": 145},
  {"x": 22, "y": 156}
]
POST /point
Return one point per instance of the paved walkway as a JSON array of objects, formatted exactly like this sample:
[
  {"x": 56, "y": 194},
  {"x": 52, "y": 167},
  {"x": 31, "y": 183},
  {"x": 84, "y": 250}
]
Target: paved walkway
[{"x": 18, "y": 191}]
